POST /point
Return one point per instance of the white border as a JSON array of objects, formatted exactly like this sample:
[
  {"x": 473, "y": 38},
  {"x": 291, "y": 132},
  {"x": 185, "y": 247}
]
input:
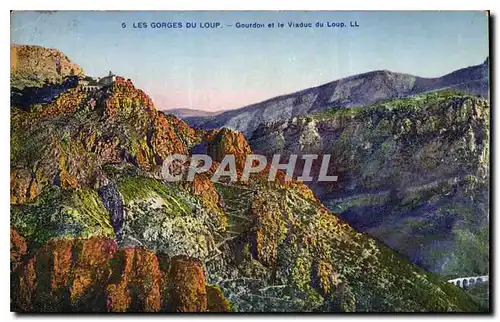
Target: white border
[{"x": 204, "y": 5}]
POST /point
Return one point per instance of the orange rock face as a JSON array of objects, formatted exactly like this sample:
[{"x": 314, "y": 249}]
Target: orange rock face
[
  {"x": 204, "y": 188},
  {"x": 18, "y": 248},
  {"x": 216, "y": 302},
  {"x": 226, "y": 142},
  {"x": 66, "y": 103},
  {"x": 42, "y": 62},
  {"x": 93, "y": 275},
  {"x": 125, "y": 126},
  {"x": 20, "y": 185},
  {"x": 268, "y": 216},
  {"x": 135, "y": 282},
  {"x": 187, "y": 291}
]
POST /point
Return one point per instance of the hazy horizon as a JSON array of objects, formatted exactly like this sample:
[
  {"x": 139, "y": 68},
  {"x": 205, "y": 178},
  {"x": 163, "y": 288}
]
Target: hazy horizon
[{"x": 227, "y": 68}]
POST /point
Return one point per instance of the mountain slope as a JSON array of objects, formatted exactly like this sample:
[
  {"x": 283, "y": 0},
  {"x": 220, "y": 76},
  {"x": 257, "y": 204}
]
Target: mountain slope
[
  {"x": 94, "y": 228},
  {"x": 413, "y": 172},
  {"x": 354, "y": 91}
]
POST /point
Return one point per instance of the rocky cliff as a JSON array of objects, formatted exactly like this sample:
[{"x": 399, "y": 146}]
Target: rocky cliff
[
  {"x": 33, "y": 66},
  {"x": 95, "y": 228},
  {"x": 412, "y": 172}
]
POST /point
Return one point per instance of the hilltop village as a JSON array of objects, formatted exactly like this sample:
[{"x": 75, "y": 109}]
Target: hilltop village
[{"x": 90, "y": 84}]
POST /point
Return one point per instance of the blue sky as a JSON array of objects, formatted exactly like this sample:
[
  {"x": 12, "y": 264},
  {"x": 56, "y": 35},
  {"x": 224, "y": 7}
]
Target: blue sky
[{"x": 227, "y": 68}]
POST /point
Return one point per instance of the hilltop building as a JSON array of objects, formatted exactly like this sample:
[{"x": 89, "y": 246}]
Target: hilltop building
[{"x": 91, "y": 84}]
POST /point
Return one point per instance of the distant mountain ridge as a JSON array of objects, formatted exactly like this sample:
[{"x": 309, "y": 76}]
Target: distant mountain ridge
[
  {"x": 188, "y": 112},
  {"x": 357, "y": 90}
]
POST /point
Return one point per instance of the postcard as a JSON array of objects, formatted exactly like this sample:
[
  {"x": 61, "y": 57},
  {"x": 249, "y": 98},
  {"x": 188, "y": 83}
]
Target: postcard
[{"x": 250, "y": 161}]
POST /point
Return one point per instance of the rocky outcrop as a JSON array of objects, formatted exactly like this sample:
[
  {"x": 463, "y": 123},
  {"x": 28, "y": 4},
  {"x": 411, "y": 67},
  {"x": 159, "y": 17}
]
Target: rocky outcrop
[
  {"x": 93, "y": 275},
  {"x": 113, "y": 202},
  {"x": 226, "y": 142},
  {"x": 125, "y": 127},
  {"x": 35, "y": 65},
  {"x": 18, "y": 248}
]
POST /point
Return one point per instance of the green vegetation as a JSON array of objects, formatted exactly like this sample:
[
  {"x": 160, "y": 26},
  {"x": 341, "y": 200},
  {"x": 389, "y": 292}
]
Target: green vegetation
[
  {"x": 22, "y": 79},
  {"x": 62, "y": 213},
  {"x": 407, "y": 105},
  {"x": 137, "y": 188},
  {"x": 480, "y": 293}
]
